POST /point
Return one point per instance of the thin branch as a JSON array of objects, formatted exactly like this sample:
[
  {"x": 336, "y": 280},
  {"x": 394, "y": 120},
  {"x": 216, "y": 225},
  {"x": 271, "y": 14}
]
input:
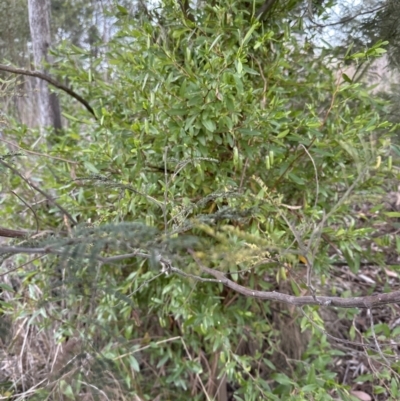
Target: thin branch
[
  {"x": 48, "y": 197},
  {"x": 135, "y": 351},
  {"x": 265, "y": 8},
  {"x": 51, "y": 81},
  {"x": 316, "y": 174},
  {"x": 316, "y": 234},
  {"x": 369, "y": 313},
  {"x": 15, "y": 250},
  {"x": 30, "y": 208},
  {"x": 193, "y": 276},
  {"x": 165, "y": 190},
  {"x": 371, "y": 301},
  {"x": 145, "y": 283},
  {"x": 337, "y": 339},
  {"x": 349, "y": 18},
  {"x": 37, "y": 153},
  {"x": 118, "y": 185},
  {"x": 300, "y": 155},
  {"x": 246, "y": 163},
  {"x": 368, "y": 302},
  {"x": 197, "y": 374},
  {"x": 21, "y": 266}
]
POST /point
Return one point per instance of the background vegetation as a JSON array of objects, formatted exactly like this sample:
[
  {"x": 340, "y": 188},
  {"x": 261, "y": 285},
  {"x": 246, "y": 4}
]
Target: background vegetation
[{"x": 220, "y": 140}]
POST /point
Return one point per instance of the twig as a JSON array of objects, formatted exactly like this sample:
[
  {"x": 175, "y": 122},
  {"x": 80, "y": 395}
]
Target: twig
[
  {"x": 316, "y": 174},
  {"x": 320, "y": 226},
  {"x": 146, "y": 282},
  {"x": 115, "y": 184},
  {"x": 197, "y": 375},
  {"x": 279, "y": 179},
  {"x": 30, "y": 208},
  {"x": 263, "y": 101},
  {"x": 349, "y": 18},
  {"x": 193, "y": 276},
  {"x": 369, "y": 312},
  {"x": 48, "y": 197},
  {"x": 246, "y": 163},
  {"x": 37, "y": 153},
  {"x": 165, "y": 190},
  {"x": 337, "y": 339}
]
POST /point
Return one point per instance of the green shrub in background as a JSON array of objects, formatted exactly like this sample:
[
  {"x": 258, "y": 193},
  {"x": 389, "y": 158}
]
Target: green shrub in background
[{"x": 227, "y": 136}]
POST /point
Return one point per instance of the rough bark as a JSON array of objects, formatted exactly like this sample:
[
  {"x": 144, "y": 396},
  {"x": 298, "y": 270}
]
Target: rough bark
[{"x": 39, "y": 22}]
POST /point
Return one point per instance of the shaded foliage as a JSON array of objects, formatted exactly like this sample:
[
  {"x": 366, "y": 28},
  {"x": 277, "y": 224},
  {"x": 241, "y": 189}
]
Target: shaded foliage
[{"x": 224, "y": 136}]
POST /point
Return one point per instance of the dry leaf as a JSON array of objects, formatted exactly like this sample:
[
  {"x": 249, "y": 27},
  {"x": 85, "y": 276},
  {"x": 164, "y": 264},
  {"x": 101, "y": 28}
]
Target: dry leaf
[{"x": 361, "y": 395}]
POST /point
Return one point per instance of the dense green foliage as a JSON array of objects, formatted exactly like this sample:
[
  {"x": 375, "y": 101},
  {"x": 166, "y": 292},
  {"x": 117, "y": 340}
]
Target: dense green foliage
[{"x": 228, "y": 136}]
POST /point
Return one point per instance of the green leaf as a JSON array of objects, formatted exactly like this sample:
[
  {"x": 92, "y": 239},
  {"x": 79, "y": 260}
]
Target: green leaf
[
  {"x": 195, "y": 100},
  {"x": 177, "y": 112},
  {"x": 283, "y": 379},
  {"x": 90, "y": 166},
  {"x": 122, "y": 10},
  {"x": 6, "y": 287},
  {"x": 134, "y": 363},
  {"x": 347, "y": 78},
  {"x": 215, "y": 41},
  {"x": 249, "y": 132},
  {"x": 358, "y": 55},
  {"x": 392, "y": 214},
  {"x": 283, "y": 133},
  {"x": 66, "y": 389},
  {"x": 249, "y": 34},
  {"x": 239, "y": 66},
  {"x": 309, "y": 388},
  {"x": 209, "y": 125}
]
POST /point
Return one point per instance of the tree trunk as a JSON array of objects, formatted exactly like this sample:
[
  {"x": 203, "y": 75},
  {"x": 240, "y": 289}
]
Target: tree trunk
[{"x": 39, "y": 22}]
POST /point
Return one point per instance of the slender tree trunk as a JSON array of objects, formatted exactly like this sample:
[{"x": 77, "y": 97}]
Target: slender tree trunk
[{"x": 39, "y": 21}]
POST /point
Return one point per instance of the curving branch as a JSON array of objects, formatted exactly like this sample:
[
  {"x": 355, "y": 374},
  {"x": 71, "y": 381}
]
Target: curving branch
[
  {"x": 344, "y": 20},
  {"x": 366, "y": 302},
  {"x": 369, "y": 302},
  {"x": 51, "y": 81}
]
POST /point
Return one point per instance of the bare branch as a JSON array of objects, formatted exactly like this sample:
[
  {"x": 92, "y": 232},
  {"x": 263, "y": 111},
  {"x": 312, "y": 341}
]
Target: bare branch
[
  {"x": 366, "y": 302},
  {"x": 51, "y": 81},
  {"x": 349, "y": 18},
  {"x": 369, "y": 302},
  {"x": 8, "y": 233}
]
